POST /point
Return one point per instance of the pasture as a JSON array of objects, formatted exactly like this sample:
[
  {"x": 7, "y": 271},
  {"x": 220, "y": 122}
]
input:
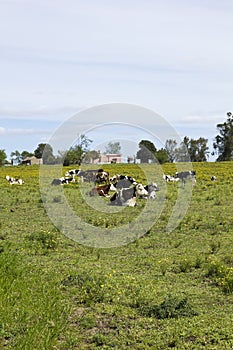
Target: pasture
[{"x": 163, "y": 290}]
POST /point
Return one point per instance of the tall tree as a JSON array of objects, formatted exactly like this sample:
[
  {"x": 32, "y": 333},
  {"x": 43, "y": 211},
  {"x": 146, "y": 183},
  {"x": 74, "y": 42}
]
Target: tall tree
[
  {"x": 170, "y": 147},
  {"x": 90, "y": 156},
  {"x": 223, "y": 144},
  {"x": 16, "y": 156},
  {"x": 198, "y": 150},
  {"x": 182, "y": 154},
  {"x": 162, "y": 156},
  {"x": 45, "y": 151},
  {"x": 147, "y": 151},
  {"x": 26, "y": 154},
  {"x": 3, "y": 157},
  {"x": 113, "y": 148},
  {"x": 76, "y": 154},
  {"x": 192, "y": 150}
]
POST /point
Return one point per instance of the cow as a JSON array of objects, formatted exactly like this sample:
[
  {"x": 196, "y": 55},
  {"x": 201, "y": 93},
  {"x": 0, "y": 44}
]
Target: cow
[
  {"x": 128, "y": 196},
  {"x": 73, "y": 172},
  {"x": 124, "y": 197},
  {"x": 169, "y": 178},
  {"x": 151, "y": 189},
  {"x": 62, "y": 181},
  {"x": 184, "y": 175},
  {"x": 14, "y": 181},
  {"x": 76, "y": 172},
  {"x": 101, "y": 190},
  {"x": 122, "y": 181},
  {"x": 101, "y": 177},
  {"x": 213, "y": 178}
]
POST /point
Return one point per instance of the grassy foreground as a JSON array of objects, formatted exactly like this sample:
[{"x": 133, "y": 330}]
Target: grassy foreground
[{"x": 163, "y": 290}]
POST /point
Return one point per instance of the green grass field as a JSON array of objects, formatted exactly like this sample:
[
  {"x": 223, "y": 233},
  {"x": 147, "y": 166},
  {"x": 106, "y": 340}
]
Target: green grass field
[{"x": 163, "y": 290}]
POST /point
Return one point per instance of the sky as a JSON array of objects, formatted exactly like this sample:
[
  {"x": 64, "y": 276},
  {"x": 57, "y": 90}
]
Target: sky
[{"x": 61, "y": 57}]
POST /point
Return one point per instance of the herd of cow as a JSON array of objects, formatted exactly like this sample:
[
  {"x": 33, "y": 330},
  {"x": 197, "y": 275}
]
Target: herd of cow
[{"x": 126, "y": 189}]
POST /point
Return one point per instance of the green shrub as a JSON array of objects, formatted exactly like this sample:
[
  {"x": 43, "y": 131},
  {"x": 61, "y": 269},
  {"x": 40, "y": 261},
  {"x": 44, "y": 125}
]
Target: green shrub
[{"x": 171, "y": 307}]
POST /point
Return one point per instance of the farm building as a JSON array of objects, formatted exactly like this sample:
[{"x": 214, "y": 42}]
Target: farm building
[
  {"x": 107, "y": 158},
  {"x": 32, "y": 161}
]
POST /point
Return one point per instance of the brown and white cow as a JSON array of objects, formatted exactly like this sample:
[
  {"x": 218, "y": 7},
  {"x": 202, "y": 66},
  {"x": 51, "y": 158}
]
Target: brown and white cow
[{"x": 102, "y": 190}]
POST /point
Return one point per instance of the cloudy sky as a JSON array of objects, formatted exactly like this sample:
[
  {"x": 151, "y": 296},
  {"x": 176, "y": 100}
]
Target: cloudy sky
[{"x": 60, "y": 57}]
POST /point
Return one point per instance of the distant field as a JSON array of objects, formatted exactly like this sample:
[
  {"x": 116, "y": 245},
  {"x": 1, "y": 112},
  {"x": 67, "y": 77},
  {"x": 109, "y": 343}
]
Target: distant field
[{"x": 163, "y": 290}]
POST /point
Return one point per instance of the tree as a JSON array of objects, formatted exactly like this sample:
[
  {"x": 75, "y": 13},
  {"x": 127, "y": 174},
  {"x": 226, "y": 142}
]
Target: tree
[
  {"x": 76, "y": 154},
  {"x": 192, "y": 150},
  {"x": 90, "y": 156},
  {"x": 147, "y": 151},
  {"x": 26, "y": 154},
  {"x": 198, "y": 150},
  {"x": 170, "y": 147},
  {"x": 182, "y": 154},
  {"x": 3, "y": 157},
  {"x": 113, "y": 148},
  {"x": 223, "y": 144},
  {"x": 16, "y": 156},
  {"x": 162, "y": 156},
  {"x": 45, "y": 151}
]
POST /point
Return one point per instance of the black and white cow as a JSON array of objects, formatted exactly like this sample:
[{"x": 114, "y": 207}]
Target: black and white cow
[
  {"x": 128, "y": 196},
  {"x": 14, "y": 181},
  {"x": 213, "y": 178},
  {"x": 73, "y": 172},
  {"x": 124, "y": 197},
  {"x": 62, "y": 181},
  {"x": 169, "y": 178},
  {"x": 101, "y": 177},
  {"x": 185, "y": 175},
  {"x": 152, "y": 189},
  {"x": 122, "y": 181}
]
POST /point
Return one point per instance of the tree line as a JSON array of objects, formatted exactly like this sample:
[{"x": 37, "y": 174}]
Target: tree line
[{"x": 194, "y": 150}]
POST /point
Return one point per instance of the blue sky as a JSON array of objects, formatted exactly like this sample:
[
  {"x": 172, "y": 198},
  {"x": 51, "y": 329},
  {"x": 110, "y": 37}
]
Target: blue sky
[{"x": 60, "y": 57}]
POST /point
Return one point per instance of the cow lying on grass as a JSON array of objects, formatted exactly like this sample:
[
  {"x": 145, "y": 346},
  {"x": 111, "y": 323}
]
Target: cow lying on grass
[
  {"x": 62, "y": 181},
  {"x": 128, "y": 196},
  {"x": 102, "y": 190},
  {"x": 151, "y": 190},
  {"x": 122, "y": 181},
  {"x": 14, "y": 181}
]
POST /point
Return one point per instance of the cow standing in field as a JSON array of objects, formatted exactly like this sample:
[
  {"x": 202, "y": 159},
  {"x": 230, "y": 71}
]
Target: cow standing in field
[{"x": 185, "y": 175}]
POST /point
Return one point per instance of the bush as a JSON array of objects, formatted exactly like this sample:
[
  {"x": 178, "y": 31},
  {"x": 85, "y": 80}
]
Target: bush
[{"x": 171, "y": 307}]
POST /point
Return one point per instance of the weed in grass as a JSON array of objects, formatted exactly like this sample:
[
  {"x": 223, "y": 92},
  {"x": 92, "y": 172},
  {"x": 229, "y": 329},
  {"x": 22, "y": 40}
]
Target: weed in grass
[
  {"x": 98, "y": 339},
  {"x": 215, "y": 268},
  {"x": 227, "y": 281},
  {"x": 185, "y": 265},
  {"x": 214, "y": 247},
  {"x": 163, "y": 265},
  {"x": 198, "y": 262},
  {"x": 87, "y": 322},
  {"x": 44, "y": 241},
  {"x": 172, "y": 307}
]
